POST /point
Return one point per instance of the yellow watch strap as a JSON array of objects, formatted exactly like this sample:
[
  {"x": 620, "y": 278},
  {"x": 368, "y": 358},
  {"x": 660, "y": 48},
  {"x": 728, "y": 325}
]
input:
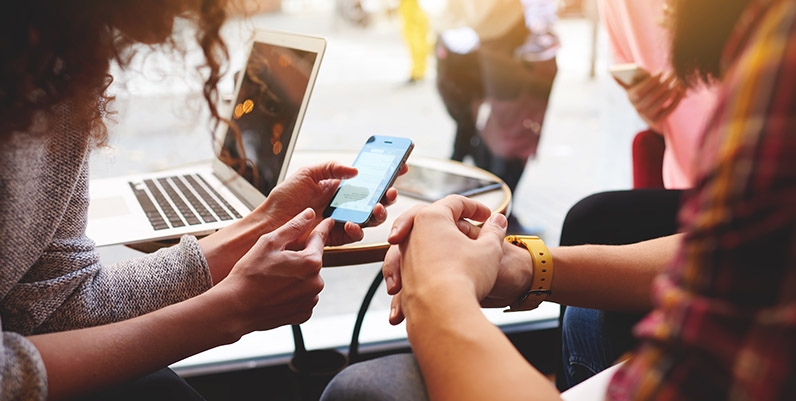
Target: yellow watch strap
[{"x": 542, "y": 272}]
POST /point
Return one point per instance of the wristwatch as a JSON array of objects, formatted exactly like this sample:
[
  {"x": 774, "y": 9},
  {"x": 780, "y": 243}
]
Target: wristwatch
[{"x": 542, "y": 273}]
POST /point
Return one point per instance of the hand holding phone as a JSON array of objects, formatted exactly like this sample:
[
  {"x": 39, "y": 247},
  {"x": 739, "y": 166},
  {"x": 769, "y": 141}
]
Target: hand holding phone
[
  {"x": 378, "y": 165},
  {"x": 628, "y": 74}
]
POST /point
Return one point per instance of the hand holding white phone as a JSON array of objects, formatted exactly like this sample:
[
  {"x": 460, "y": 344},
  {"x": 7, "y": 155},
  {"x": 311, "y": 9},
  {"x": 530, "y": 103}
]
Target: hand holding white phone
[
  {"x": 378, "y": 163},
  {"x": 654, "y": 96},
  {"x": 628, "y": 74}
]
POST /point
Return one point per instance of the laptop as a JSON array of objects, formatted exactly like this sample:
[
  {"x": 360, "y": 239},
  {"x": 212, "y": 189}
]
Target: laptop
[{"x": 271, "y": 97}]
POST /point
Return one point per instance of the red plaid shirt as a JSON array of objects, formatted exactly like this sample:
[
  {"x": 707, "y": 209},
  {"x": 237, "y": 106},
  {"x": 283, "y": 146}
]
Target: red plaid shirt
[{"x": 724, "y": 324}]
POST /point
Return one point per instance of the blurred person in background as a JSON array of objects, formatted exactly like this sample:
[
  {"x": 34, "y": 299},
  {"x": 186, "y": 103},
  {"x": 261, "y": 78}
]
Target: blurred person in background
[
  {"x": 495, "y": 70},
  {"x": 637, "y": 34},
  {"x": 416, "y": 33}
]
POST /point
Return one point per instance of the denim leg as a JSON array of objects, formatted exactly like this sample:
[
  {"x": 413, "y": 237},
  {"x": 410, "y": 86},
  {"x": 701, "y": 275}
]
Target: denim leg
[
  {"x": 390, "y": 378},
  {"x": 586, "y": 348}
]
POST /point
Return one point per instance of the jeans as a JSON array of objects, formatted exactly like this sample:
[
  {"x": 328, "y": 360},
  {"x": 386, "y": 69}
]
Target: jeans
[
  {"x": 593, "y": 340},
  {"x": 390, "y": 378}
]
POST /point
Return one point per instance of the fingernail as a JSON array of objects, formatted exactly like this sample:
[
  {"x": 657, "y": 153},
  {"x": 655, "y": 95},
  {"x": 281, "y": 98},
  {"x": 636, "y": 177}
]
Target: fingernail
[
  {"x": 389, "y": 282},
  {"x": 499, "y": 219},
  {"x": 393, "y": 312},
  {"x": 306, "y": 214}
]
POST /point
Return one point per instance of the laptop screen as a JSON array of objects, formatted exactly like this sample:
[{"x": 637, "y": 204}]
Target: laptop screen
[{"x": 266, "y": 113}]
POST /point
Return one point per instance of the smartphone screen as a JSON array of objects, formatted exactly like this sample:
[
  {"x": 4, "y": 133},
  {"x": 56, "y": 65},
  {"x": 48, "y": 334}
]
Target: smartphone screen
[
  {"x": 431, "y": 184},
  {"x": 378, "y": 164}
]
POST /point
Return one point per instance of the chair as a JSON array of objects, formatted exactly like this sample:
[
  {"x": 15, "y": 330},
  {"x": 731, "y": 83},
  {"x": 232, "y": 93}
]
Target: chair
[{"x": 648, "y": 148}]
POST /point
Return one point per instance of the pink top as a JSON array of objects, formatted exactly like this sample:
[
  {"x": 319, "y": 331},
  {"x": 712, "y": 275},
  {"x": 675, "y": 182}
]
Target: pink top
[{"x": 636, "y": 35}]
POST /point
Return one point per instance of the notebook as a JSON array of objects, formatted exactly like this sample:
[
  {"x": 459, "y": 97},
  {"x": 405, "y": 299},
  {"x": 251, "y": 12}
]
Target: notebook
[{"x": 271, "y": 98}]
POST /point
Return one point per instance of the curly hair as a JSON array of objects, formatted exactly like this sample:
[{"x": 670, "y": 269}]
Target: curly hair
[{"x": 58, "y": 51}]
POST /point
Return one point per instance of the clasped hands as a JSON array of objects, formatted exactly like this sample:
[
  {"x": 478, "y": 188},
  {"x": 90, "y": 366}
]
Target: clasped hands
[{"x": 437, "y": 251}]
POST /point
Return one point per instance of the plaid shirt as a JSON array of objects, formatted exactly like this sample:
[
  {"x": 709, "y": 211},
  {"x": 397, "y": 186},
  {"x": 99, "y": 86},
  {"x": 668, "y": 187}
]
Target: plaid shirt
[{"x": 724, "y": 324}]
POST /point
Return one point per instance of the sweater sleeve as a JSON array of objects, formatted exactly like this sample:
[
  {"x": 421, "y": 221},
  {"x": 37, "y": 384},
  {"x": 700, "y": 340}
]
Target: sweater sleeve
[
  {"x": 22, "y": 373},
  {"x": 110, "y": 293},
  {"x": 68, "y": 287}
]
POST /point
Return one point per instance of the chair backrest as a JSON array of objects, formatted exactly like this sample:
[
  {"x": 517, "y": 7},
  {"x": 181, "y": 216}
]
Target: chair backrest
[{"x": 648, "y": 148}]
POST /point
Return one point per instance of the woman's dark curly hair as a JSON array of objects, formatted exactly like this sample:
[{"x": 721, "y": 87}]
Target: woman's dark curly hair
[{"x": 53, "y": 51}]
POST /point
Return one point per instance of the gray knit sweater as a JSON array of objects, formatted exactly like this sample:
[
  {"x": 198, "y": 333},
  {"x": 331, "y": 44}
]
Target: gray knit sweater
[{"x": 52, "y": 279}]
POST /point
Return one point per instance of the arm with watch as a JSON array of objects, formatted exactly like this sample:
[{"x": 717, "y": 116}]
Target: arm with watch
[
  {"x": 442, "y": 269},
  {"x": 608, "y": 277}
]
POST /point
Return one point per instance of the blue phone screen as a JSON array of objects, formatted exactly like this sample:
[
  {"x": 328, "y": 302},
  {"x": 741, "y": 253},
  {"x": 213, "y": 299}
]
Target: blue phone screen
[{"x": 377, "y": 165}]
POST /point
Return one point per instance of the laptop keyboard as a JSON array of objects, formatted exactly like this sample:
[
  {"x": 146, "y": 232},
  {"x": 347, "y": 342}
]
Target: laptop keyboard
[{"x": 180, "y": 201}]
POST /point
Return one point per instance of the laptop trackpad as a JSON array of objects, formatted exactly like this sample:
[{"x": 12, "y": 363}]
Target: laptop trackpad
[{"x": 101, "y": 208}]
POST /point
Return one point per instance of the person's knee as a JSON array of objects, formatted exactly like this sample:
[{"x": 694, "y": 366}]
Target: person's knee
[
  {"x": 581, "y": 344},
  {"x": 592, "y": 207},
  {"x": 579, "y": 324},
  {"x": 621, "y": 217},
  {"x": 391, "y": 378}
]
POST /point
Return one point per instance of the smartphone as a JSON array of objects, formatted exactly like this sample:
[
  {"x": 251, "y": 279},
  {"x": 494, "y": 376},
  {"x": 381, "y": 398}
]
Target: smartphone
[
  {"x": 628, "y": 74},
  {"x": 378, "y": 165},
  {"x": 431, "y": 185}
]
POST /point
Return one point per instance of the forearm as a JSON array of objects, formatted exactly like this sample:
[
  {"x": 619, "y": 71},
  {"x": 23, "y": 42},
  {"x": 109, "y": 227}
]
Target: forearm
[
  {"x": 465, "y": 357},
  {"x": 89, "y": 359},
  {"x": 223, "y": 248},
  {"x": 610, "y": 277}
]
